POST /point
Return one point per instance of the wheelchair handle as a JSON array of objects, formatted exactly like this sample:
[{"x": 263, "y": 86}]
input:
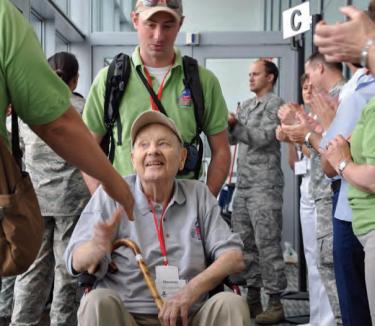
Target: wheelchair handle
[{"x": 143, "y": 267}]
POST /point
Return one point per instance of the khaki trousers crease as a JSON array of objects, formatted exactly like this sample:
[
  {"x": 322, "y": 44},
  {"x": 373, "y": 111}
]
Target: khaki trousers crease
[{"x": 102, "y": 307}]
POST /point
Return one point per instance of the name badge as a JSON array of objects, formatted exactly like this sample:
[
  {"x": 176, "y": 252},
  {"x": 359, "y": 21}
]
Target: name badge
[
  {"x": 300, "y": 167},
  {"x": 167, "y": 281}
]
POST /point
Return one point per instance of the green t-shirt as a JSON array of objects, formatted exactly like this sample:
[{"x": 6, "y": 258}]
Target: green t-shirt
[
  {"x": 36, "y": 93},
  {"x": 175, "y": 99},
  {"x": 363, "y": 152}
]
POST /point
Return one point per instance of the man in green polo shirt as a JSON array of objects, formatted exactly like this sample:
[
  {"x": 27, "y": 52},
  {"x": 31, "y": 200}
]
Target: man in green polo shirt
[
  {"x": 157, "y": 24},
  {"x": 41, "y": 100}
]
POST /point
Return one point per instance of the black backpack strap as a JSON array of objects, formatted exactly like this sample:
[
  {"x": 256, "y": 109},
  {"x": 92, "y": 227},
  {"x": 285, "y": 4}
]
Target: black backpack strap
[
  {"x": 151, "y": 91},
  {"x": 192, "y": 81},
  {"x": 16, "y": 149},
  {"x": 117, "y": 80}
]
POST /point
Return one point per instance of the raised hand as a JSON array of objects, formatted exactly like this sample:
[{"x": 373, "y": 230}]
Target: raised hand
[
  {"x": 337, "y": 150},
  {"x": 281, "y": 135},
  {"x": 287, "y": 113},
  {"x": 297, "y": 132},
  {"x": 119, "y": 190},
  {"x": 344, "y": 41},
  {"x": 325, "y": 107},
  {"x": 103, "y": 235}
]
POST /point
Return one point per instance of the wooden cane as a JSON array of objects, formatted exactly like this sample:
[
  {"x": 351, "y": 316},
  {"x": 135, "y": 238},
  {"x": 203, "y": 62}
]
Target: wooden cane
[{"x": 143, "y": 267}]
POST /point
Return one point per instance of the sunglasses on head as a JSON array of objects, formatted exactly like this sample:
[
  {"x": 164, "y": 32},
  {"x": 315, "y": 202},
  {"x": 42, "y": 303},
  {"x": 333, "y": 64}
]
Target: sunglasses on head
[{"x": 173, "y": 4}]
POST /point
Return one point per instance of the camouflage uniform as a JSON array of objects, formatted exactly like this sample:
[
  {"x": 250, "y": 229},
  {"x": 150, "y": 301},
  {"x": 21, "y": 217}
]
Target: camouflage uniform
[
  {"x": 6, "y": 283},
  {"x": 62, "y": 196},
  {"x": 257, "y": 206},
  {"x": 320, "y": 189},
  {"x": 6, "y": 296}
]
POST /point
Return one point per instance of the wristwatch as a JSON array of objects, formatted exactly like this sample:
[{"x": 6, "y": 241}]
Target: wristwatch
[
  {"x": 364, "y": 53},
  {"x": 341, "y": 166},
  {"x": 306, "y": 142}
]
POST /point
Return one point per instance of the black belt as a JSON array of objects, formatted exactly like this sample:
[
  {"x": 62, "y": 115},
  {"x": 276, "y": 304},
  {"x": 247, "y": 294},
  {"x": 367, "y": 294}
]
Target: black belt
[{"x": 335, "y": 185}]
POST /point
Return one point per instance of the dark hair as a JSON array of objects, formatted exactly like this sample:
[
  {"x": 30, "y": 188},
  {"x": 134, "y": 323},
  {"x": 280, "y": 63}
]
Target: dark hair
[
  {"x": 65, "y": 65},
  {"x": 371, "y": 10},
  {"x": 318, "y": 57},
  {"x": 272, "y": 69},
  {"x": 304, "y": 78}
]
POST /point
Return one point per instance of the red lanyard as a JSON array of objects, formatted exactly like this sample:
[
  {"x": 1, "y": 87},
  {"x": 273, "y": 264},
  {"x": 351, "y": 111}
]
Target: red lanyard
[
  {"x": 160, "y": 232},
  {"x": 160, "y": 90}
]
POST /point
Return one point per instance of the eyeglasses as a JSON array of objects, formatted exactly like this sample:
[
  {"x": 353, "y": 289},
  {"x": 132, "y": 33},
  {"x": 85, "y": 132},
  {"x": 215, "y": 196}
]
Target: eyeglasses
[{"x": 173, "y": 4}]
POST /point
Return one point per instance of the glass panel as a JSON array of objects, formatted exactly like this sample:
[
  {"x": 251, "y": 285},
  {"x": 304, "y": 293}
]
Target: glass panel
[
  {"x": 37, "y": 23},
  {"x": 276, "y": 15},
  {"x": 235, "y": 87},
  {"x": 361, "y": 4},
  {"x": 223, "y": 15},
  {"x": 111, "y": 15},
  {"x": 245, "y": 15},
  {"x": 62, "y": 45},
  {"x": 331, "y": 12},
  {"x": 63, "y": 5}
]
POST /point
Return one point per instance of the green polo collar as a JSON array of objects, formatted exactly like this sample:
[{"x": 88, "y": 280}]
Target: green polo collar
[{"x": 136, "y": 58}]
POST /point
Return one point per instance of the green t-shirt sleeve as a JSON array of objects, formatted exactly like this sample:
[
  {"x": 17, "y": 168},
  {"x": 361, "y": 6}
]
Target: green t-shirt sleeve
[
  {"x": 368, "y": 142},
  {"x": 215, "y": 117},
  {"x": 94, "y": 107},
  {"x": 36, "y": 93}
]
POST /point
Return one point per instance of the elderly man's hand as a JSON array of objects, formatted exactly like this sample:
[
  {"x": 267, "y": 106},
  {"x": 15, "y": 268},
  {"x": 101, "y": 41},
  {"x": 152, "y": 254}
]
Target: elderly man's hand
[
  {"x": 119, "y": 190},
  {"x": 344, "y": 41},
  {"x": 103, "y": 235},
  {"x": 288, "y": 113},
  {"x": 325, "y": 107},
  {"x": 337, "y": 150},
  {"x": 177, "y": 307}
]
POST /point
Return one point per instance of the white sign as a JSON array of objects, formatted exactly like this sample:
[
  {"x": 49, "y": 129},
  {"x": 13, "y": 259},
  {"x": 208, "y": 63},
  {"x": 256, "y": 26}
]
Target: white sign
[{"x": 296, "y": 20}]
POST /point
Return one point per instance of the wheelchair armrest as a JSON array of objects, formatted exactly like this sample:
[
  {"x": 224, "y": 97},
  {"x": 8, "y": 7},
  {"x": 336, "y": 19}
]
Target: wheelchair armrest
[
  {"x": 86, "y": 280},
  {"x": 235, "y": 280}
]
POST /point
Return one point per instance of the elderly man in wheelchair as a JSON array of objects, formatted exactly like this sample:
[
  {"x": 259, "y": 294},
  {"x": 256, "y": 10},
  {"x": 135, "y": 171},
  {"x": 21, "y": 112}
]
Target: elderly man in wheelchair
[{"x": 187, "y": 246}]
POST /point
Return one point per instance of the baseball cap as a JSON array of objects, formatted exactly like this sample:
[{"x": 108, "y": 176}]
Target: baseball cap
[
  {"x": 147, "y": 8},
  {"x": 149, "y": 117}
]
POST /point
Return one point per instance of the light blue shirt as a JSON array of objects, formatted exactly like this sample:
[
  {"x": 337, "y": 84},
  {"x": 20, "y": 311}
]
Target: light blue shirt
[{"x": 353, "y": 101}]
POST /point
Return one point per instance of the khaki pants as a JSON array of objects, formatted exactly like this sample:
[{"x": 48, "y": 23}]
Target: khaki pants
[
  {"x": 368, "y": 242},
  {"x": 104, "y": 307}
]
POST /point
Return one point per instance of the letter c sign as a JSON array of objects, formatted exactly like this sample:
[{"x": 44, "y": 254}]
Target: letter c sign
[
  {"x": 295, "y": 27},
  {"x": 296, "y": 20}
]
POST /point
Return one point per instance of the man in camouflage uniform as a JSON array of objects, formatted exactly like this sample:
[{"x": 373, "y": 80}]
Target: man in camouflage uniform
[
  {"x": 257, "y": 206},
  {"x": 324, "y": 78},
  {"x": 331, "y": 81}
]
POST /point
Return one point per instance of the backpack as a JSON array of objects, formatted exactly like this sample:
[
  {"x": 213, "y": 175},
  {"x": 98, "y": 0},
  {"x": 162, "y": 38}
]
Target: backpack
[
  {"x": 116, "y": 82},
  {"x": 21, "y": 223}
]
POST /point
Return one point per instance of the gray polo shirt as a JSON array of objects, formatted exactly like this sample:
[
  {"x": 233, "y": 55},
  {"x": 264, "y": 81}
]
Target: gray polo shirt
[{"x": 191, "y": 199}]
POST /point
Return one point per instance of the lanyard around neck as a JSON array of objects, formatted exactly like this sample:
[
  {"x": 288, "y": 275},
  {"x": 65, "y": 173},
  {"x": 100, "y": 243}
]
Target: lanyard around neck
[
  {"x": 159, "y": 231},
  {"x": 160, "y": 90}
]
